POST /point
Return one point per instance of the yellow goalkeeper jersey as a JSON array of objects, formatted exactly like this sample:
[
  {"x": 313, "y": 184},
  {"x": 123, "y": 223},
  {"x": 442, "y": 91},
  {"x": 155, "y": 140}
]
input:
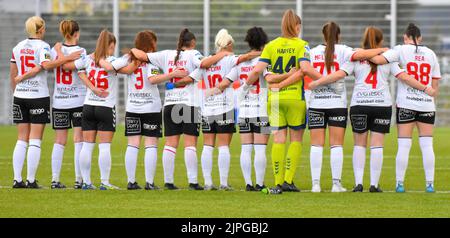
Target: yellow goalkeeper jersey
[{"x": 282, "y": 54}]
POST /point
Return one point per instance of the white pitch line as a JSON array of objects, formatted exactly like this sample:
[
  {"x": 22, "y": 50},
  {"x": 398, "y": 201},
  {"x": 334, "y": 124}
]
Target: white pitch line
[{"x": 237, "y": 190}]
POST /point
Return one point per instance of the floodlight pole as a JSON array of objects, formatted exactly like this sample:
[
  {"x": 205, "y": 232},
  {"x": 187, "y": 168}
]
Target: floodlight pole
[
  {"x": 37, "y": 9},
  {"x": 393, "y": 42},
  {"x": 116, "y": 31},
  {"x": 299, "y": 11},
  {"x": 206, "y": 26}
]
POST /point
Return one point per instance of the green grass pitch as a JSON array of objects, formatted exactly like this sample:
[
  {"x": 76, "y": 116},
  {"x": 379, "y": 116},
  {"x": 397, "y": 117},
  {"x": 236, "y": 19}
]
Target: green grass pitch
[{"x": 184, "y": 203}]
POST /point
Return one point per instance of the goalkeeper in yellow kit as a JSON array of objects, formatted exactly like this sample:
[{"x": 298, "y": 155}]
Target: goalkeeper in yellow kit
[{"x": 286, "y": 102}]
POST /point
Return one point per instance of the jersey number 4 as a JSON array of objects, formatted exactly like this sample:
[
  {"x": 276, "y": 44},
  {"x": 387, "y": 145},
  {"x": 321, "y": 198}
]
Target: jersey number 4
[{"x": 372, "y": 80}]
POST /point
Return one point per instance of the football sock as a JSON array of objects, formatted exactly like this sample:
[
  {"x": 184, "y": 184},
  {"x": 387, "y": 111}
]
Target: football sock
[
  {"x": 104, "y": 161},
  {"x": 151, "y": 156},
  {"x": 278, "y": 154},
  {"x": 57, "y": 158},
  {"x": 77, "y": 150},
  {"x": 224, "y": 164},
  {"x": 19, "y": 155},
  {"x": 426, "y": 146},
  {"x": 401, "y": 160},
  {"x": 260, "y": 163},
  {"x": 169, "y": 163},
  {"x": 376, "y": 164},
  {"x": 190, "y": 159},
  {"x": 131, "y": 156},
  {"x": 316, "y": 155},
  {"x": 359, "y": 160},
  {"x": 33, "y": 157},
  {"x": 85, "y": 161},
  {"x": 246, "y": 162},
  {"x": 207, "y": 164},
  {"x": 336, "y": 162},
  {"x": 292, "y": 160}
]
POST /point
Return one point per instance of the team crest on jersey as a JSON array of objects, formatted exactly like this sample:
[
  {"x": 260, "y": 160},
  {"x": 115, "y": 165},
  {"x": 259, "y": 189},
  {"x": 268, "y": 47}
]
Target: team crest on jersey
[{"x": 155, "y": 71}]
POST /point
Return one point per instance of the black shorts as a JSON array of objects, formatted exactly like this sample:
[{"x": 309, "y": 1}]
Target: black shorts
[
  {"x": 320, "y": 118},
  {"x": 31, "y": 110},
  {"x": 181, "y": 119},
  {"x": 407, "y": 116},
  {"x": 145, "y": 124},
  {"x": 258, "y": 125},
  {"x": 223, "y": 123},
  {"x": 63, "y": 119},
  {"x": 365, "y": 118},
  {"x": 98, "y": 118}
]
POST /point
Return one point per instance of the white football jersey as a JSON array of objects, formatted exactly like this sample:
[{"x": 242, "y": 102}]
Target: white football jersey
[
  {"x": 212, "y": 76},
  {"x": 371, "y": 89},
  {"x": 101, "y": 79},
  {"x": 424, "y": 67},
  {"x": 332, "y": 95},
  {"x": 69, "y": 91},
  {"x": 143, "y": 96},
  {"x": 255, "y": 102},
  {"x": 189, "y": 60},
  {"x": 26, "y": 55}
]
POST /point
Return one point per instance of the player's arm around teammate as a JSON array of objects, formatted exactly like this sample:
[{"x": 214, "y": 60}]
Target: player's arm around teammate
[
  {"x": 328, "y": 104},
  {"x": 31, "y": 104},
  {"x": 253, "y": 121},
  {"x": 368, "y": 112},
  {"x": 99, "y": 116},
  {"x": 287, "y": 107},
  {"x": 181, "y": 112},
  {"x": 415, "y": 108}
]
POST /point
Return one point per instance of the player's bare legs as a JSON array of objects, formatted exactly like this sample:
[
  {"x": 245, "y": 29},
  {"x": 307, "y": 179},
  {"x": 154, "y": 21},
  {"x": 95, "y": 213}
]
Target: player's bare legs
[
  {"x": 191, "y": 162},
  {"x": 34, "y": 150},
  {"x": 20, "y": 152},
  {"x": 209, "y": 140},
  {"x": 428, "y": 156},
  {"x": 404, "y": 140},
  {"x": 292, "y": 159},
  {"x": 57, "y": 157},
  {"x": 359, "y": 157},
  {"x": 336, "y": 139}
]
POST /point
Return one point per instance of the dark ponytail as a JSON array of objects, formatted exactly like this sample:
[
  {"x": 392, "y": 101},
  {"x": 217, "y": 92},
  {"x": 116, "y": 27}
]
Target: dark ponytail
[
  {"x": 412, "y": 31},
  {"x": 331, "y": 32},
  {"x": 256, "y": 38},
  {"x": 185, "y": 39}
]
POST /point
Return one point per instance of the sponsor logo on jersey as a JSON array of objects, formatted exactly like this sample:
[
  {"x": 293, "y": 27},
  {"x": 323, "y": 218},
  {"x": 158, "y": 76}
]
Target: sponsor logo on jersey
[
  {"x": 17, "y": 113},
  {"x": 61, "y": 119},
  {"x": 359, "y": 122},
  {"x": 383, "y": 122},
  {"x": 133, "y": 124},
  {"x": 150, "y": 127},
  {"x": 37, "y": 111},
  {"x": 337, "y": 118},
  {"x": 406, "y": 115},
  {"x": 77, "y": 114},
  {"x": 316, "y": 119},
  {"x": 225, "y": 122}
]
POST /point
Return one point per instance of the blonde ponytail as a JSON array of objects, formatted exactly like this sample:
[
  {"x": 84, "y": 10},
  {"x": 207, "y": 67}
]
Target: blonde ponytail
[
  {"x": 33, "y": 25},
  {"x": 223, "y": 39}
]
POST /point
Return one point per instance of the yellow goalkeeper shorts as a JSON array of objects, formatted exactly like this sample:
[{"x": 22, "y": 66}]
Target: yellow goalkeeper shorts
[{"x": 285, "y": 113}]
